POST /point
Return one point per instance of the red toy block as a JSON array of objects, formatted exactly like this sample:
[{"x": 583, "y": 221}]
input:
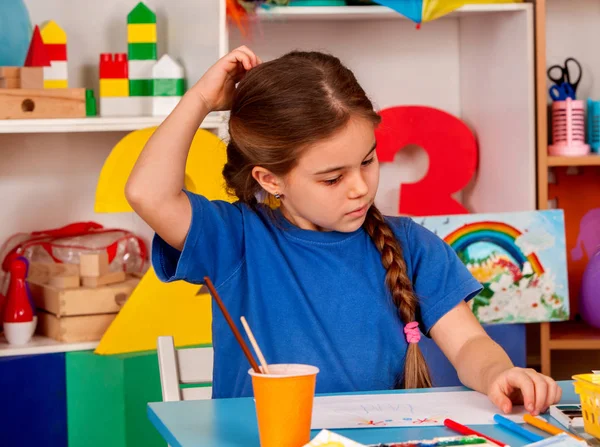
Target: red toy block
[
  {"x": 37, "y": 56},
  {"x": 113, "y": 66},
  {"x": 57, "y": 51}
]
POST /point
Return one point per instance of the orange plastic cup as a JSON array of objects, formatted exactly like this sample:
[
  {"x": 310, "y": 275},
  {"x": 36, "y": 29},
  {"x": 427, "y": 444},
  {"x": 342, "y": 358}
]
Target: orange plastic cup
[{"x": 284, "y": 402}]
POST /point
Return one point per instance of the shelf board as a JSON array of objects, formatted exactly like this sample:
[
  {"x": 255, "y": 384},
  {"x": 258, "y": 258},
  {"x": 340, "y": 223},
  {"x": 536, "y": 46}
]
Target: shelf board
[
  {"x": 585, "y": 160},
  {"x": 42, "y": 345},
  {"x": 573, "y": 335},
  {"x": 368, "y": 12},
  {"x": 94, "y": 124}
]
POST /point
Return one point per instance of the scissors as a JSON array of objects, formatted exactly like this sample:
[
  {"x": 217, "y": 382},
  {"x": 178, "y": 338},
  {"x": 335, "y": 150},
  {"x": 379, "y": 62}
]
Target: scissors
[
  {"x": 561, "y": 74},
  {"x": 562, "y": 92}
]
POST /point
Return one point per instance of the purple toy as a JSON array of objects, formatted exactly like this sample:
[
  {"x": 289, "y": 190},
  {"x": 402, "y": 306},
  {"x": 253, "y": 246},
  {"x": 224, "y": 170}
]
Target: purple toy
[{"x": 589, "y": 297}]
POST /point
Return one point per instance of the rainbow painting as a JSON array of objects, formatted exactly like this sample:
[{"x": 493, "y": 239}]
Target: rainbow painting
[{"x": 519, "y": 258}]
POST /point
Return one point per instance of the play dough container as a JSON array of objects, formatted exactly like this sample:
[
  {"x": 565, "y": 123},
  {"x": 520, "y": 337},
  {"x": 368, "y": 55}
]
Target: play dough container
[{"x": 284, "y": 402}]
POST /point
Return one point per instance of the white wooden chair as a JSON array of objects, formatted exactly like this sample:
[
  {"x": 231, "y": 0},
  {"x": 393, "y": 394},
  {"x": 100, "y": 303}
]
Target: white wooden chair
[{"x": 184, "y": 366}]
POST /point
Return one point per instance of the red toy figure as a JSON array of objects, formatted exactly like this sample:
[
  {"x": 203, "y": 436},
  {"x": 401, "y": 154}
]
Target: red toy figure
[{"x": 19, "y": 305}]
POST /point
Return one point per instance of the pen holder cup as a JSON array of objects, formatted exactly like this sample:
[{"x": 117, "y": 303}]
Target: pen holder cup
[
  {"x": 587, "y": 386},
  {"x": 568, "y": 128}
]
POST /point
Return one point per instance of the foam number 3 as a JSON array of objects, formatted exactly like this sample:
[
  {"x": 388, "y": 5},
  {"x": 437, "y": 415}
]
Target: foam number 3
[
  {"x": 452, "y": 151},
  {"x": 156, "y": 308}
]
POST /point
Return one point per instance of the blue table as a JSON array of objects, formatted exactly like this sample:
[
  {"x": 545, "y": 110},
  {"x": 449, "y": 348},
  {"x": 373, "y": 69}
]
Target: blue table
[{"x": 232, "y": 423}]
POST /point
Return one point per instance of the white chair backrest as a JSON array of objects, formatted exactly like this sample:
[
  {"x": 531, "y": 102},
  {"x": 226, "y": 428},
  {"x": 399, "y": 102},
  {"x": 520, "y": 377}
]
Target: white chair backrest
[{"x": 184, "y": 366}]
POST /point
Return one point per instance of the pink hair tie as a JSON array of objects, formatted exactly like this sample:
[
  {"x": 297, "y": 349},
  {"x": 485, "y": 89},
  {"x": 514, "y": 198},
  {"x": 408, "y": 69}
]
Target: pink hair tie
[{"x": 413, "y": 335}]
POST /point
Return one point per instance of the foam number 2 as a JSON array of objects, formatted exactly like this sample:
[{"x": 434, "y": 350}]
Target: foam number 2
[
  {"x": 156, "y": 308},
  {"x": 452, "y": 151}
]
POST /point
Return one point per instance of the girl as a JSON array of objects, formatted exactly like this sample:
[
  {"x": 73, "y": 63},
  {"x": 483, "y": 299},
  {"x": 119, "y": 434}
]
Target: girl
[{"x": 323, "y": 278}]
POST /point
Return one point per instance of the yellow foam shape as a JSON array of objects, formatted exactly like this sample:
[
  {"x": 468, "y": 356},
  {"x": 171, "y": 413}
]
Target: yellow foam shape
[
  {"x": 56, "y": 83},
  {"x": 205, "y": 162},
  {"x": 52, "y": 33},
  {"x": 114, "y": 87},
  {"x": 156, "y": 308},
  {"x": 141, "y": 33}
]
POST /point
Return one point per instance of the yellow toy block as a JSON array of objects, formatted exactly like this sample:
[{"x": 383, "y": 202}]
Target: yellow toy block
[
  {"x": 56, "y": 83},
  {"x": 52, "y": 33},
  {"x": 114, "y": 87},
  {"x": 141, "y": 33},
  {"x": 156, "y": 308}
]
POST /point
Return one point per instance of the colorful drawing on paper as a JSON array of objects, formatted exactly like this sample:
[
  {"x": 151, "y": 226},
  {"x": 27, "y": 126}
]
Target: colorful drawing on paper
[
  {"x": 404, "y": 410},
  {"x": 519, "y": 258}
]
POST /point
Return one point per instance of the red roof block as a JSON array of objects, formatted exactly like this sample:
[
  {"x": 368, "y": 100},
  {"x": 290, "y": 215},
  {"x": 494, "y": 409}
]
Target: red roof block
[{"x": 37, "y": 56}]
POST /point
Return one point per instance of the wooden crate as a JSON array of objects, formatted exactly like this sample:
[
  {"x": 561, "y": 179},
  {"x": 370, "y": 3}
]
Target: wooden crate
[
  {"x": 78, "y": 314},
  {"x": 74, "y": 329},
  {"x": 82, "y": 300}
]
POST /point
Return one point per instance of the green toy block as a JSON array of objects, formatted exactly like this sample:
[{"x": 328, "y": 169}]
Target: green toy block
[
  {"x": 90, "y": 103},
  {"x": 107, "y": 398},
  {"x": 141, "y": 51},
  {"x": 140, "y": 87},
  {"x": 168, "y": 87},
  {"x": 141, "y": 14}
]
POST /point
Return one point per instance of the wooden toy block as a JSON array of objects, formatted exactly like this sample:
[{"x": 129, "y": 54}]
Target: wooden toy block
[
  {"x": 56, "y": 52},
  {"x": 140, "y": 87},
  {"x": 10, "y": 72},
  {"x": 141, "y": 14},
  {"x": 74, "y": 329},
  {"x": 56, "y": 84},
  {"x": 82, "y": 300},
  {"x": 56, "y": 71},
  {"x": 64, "y": 281},
  {"x": 93, "y": 264},
  {"x": 37, "y": 56},
  {"x": 126, "y": 106},
  {"x": 90, "y": 103},
  {"x": 167, "y": 68},
  {"x": 164, "y": 105},
  {"x": 104, "y": 280},
  {"x": 141, "y": 33},
  {"x": 41, "y": 272},
  {"x": 52, "y": 33},
  {"x": 168, "y": 87},
  {"x": 10, "y": 83},
  {"x": 113, "y": 66},
  {"x": 42, "y": 103},
  {"x": 114, "y": 87},
  {"x": 32, "y": 77},
  {"x": 141, "y": 51},
  {"x": 141, "y": 69}
]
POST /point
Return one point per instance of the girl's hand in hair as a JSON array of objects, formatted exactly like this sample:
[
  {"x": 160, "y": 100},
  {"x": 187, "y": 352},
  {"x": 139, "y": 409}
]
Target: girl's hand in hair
[{"x": 217, "y": 85}]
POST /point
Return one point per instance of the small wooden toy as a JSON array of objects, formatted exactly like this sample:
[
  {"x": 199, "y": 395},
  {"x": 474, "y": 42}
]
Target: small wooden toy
[
  {"x": 42, "y": 103},
  {"x": 37, "y": 55}
]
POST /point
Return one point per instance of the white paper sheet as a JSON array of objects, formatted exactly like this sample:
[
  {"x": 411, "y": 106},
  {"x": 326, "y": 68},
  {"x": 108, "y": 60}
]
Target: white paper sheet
[{"x": 406, "y": 410}]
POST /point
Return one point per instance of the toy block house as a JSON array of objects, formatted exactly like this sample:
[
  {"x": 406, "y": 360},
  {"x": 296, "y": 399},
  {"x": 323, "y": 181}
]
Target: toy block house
[
  {"x": 39, "y": 89},
  {"x": 154, "y": 87}
]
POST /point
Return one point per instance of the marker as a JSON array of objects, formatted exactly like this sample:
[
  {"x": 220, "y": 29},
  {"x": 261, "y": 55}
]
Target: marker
[
  {"x": 516, "y": 428},
  {"x": 459, "y": 428},
  {"x": 545, "y": 426}
]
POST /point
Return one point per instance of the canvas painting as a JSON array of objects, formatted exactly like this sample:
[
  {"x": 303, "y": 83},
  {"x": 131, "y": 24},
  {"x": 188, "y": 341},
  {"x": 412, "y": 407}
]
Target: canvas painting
[{"x": 519, "y": 258}]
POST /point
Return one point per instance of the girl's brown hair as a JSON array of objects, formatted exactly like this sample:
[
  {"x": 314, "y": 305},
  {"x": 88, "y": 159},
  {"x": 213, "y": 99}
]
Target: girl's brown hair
[{"x": 285, "y": 105}]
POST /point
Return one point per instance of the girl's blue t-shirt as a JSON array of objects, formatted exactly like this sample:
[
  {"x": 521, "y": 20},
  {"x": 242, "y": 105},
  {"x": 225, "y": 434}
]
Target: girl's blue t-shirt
[{"x": 316, "y": 298}]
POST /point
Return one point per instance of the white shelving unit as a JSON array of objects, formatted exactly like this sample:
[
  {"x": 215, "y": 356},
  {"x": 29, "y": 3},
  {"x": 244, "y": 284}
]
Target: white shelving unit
[
  {"x": 368, "y": 12},
  {"x": 42, "y": 345},
  {"x": 94, "y": 124}
]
